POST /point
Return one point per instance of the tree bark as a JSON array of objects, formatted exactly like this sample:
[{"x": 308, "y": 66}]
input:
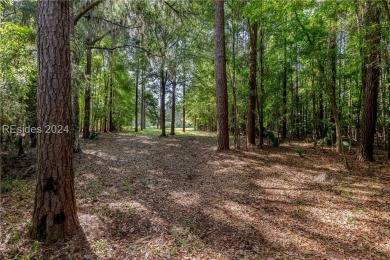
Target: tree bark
[
  {"x": 371, "y": 82},
  {"x": 261, "y": 90},
  {"x": 76, "y": 111},
  {"x": 54, "y": 214},
  {"x": 332, "y": 58},
  {"x": 111, "y": 97},
  {"x": 184, "y": 106},
  {"x": 142, "y": 100},
  {"x": 87, "y": 97},
  {"x": 162, "y": 100},
  {"x": 173, "y": 105},
  {"x": 284, "y": 98},
  {"x": 136, "y": 99},
  {"x": 235, "y": 125},
  {"x": 297, "y": 99},
  {"x": 220, "y": 76},
  {"x": 76, "y": 121},
  {"x": 252, "y": 83}
]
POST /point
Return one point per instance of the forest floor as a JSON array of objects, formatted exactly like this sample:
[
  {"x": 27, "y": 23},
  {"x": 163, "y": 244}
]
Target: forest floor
[{"x": 145, "y": 197}]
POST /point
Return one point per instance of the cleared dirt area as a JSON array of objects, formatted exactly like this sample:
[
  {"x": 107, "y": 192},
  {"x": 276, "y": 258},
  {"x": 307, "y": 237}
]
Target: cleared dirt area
[{"x": 145, "y": 197}]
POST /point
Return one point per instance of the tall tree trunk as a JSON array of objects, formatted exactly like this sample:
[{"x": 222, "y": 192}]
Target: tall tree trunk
[
  {"x": 235, "y": 126},
  {"x": 87, "y": 96},
  {"x": 314, "y": 108},
  {"x": 54, "y": 214},
  {"x": 220, "y": 76},
  {"x": 321, "y": 110},
  {"x": 261, "y": 90},
  {"x": 76, "y": 120},
  {"x": 195, "y": 124},
  {"x": 371, "y": 82},
  {"x": 284, "y": 98},
  {"x": 142, "y": 100},
  {"x": 387, "y": 59},
  {"x": 106, "y": 83},
  {"x": 332, "y": 58},
  {"x": 76, "y": 110},
  {"x": 111, "y": 97},
  {"x": 184, "y": 106},
  {"x": 173, "y": 105},
  {"x": 383, "y": 106},
  {"x": 136, "y": 99},
  {"x": 296, "y": 101},
  {"x": 162, "y": 100},
  {"x": 252, "y": 83}
]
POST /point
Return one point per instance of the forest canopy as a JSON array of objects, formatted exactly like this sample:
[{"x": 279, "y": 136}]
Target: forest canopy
[{"x": 265, "y": 78}]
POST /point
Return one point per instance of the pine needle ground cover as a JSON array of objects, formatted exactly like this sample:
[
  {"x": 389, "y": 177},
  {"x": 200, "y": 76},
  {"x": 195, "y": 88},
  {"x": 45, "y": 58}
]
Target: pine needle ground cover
[{"x": 177, "y": 198}]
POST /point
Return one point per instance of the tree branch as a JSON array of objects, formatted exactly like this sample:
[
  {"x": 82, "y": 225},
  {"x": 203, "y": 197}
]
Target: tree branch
[
  {"x": 101, "y": 37},
  {"x": 119, "y": 47},
  {"x": 86, "y": 10},
  {"x": 304, "y": 29},
  {"x": 114, "y": 23},
  {"x": 171, "y": 6}
]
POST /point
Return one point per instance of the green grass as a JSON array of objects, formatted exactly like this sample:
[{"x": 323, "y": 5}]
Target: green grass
[
  {"x": 300, "y": 201},
  {"x": 350, "y": 220},
  {"x": 94, "y": 189},
  {"x": 300, "y": 212},
  {"x": 101, "y": 245}
]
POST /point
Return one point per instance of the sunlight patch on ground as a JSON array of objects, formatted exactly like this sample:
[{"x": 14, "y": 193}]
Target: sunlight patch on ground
[
  {"x": 238, "y": 210},
  {"x": 92, "y": 225},
  {"x": 121, "y": 204},
  {"x": 146, "y": 141},
  {"x": 185, "y": 198},
  {"x": 100, "y": 154}
]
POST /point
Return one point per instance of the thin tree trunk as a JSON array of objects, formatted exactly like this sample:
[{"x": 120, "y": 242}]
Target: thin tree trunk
[
  {"x": 252, "y": 83},
  {"x": 142, "y": 100},
  {"x": 284, "y": 98},
  {"x": 184, "y": 106},
  {"x": 136, "y": 99},
  {"x": 261, "y": 94},
  {"x": 87, "y": 96},
  {"x": 54, "y": 214},
  {"x": 106, "y": 94},
  {"x": 383, "y": 108},
  {"x": 111, "y": 97},
  {"x": 332, "y": 58},
  {"x": 76, "y": 110},
  {"x": 313, "y": 96},
  {"x": 321, "y": 109},
  {"x": 162, "y": 100},
  {"x": 173, "y": 105},
  {"x": 296, "y": 101},
  {"x": 76, "y": 120},
  {"x": 220, "y": 77},
  {"x": 236, "y": 129}
]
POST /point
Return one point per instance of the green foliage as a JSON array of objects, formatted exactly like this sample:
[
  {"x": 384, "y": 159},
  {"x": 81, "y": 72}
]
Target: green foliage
[
  {"x": 36, "y": 247},
  {"x": 146, "y": 37},
  {"x": 101, "y": 245},
  {"x": 275, "y": 140},
  {"x": 298, "y": 150},
  {"x": 94, "y": 189},
  {"x": 18, "y": 70}
]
